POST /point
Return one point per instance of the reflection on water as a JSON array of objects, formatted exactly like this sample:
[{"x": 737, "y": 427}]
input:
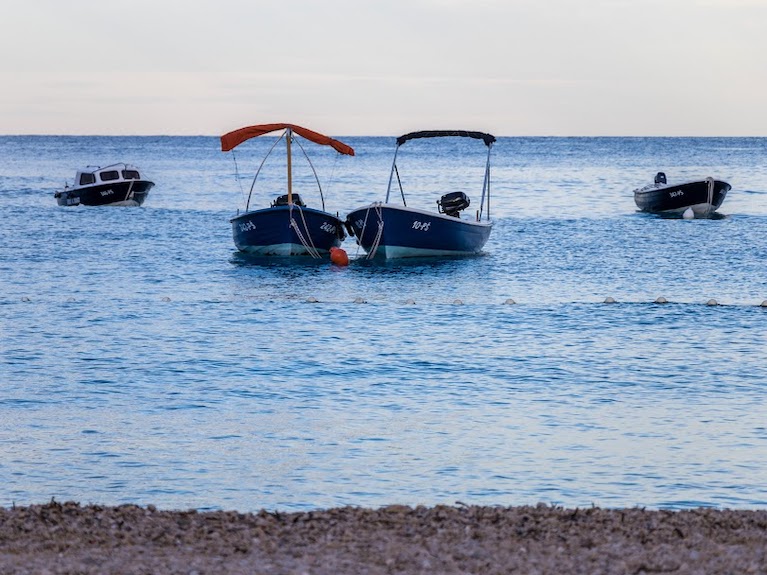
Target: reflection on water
[{"x": 665, "y": 216}]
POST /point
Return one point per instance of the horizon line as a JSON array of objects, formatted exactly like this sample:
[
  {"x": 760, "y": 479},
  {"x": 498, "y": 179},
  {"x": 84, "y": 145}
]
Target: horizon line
[{"x": 96, "y": 135}]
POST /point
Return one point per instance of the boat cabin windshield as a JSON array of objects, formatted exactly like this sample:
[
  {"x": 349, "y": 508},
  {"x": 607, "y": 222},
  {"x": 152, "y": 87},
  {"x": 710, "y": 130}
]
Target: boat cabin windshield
[
  {"x": 86, "y": 179},
  {"x": 107, "y": 174}
]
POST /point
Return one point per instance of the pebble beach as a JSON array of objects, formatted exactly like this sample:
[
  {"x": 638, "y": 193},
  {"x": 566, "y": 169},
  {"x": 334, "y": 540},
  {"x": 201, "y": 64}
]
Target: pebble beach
[{"x": 64, "y": 538}]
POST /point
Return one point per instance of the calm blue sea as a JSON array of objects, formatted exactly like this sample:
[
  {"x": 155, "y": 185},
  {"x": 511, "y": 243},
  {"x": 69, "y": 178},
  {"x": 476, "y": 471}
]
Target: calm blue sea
[{"x": 142, "y": 360}]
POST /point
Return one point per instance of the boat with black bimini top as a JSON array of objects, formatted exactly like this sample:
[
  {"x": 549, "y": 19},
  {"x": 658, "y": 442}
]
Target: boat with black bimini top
[
  {"x": 386, "y": 230},
  {"x": 287, "y": 227},
  {"x": 701, "y": 197},
  {"x": 114, "y": 185}
]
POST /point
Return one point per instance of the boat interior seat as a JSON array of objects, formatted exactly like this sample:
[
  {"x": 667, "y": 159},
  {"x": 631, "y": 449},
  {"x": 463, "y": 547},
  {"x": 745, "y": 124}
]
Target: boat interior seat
[
  {"x": 660, "y": 178},
  {"x": 283, "y": 201}
]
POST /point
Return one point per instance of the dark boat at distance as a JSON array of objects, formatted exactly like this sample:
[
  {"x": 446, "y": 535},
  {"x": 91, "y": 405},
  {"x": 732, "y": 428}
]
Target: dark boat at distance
[
  {"x": 702, "y": 197},
  {"x": 115, "y": 185}
]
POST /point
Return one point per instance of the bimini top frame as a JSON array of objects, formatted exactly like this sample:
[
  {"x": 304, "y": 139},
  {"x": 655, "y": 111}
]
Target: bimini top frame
[
  {"x": 231, "y": 140},
  {"x": 488, "y": 139}
]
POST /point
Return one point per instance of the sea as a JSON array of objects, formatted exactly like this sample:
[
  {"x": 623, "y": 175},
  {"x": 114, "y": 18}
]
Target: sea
[{"x": 143, "y": 360}]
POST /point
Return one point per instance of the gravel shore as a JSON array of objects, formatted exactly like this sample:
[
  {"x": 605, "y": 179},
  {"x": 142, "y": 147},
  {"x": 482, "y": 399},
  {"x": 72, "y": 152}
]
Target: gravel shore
[{"x": 69, "y": 538}]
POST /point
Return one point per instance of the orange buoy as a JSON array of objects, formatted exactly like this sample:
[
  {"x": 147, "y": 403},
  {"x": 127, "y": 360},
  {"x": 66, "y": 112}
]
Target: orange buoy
[{"x": 338, "y": 256}]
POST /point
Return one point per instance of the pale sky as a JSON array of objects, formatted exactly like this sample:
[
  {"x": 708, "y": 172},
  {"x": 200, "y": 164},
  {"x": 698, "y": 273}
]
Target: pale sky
[{"x": 385, "y": 67}]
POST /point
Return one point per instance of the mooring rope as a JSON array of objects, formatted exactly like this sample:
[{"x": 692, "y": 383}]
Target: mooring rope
[
  {"x": 377, "y": 240},
  {"x": 379, "y": 232},
  {"x": 310, "y": 244},
  {"x": 362, "y": 233},
  {"x": 237, "y": 175}
]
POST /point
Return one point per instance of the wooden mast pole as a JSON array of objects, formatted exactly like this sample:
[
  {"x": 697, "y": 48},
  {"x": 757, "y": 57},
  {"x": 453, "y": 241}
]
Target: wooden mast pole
[{"x": 290, "y": 168}]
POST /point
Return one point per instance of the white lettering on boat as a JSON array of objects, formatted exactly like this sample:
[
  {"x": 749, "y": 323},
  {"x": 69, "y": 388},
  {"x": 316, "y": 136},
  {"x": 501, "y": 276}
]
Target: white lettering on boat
[
  {"x": 676, "y": 193},
  {"x": 326, "y": 227},
  {"x": 422, "y": 226},
  {"x": 108, "y": 192},
  {"x": 247, "y": 226}
]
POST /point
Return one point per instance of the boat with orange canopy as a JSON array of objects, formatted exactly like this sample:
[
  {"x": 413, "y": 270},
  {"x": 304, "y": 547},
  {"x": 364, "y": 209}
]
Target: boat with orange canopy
[{"x": 288, "y": 227}]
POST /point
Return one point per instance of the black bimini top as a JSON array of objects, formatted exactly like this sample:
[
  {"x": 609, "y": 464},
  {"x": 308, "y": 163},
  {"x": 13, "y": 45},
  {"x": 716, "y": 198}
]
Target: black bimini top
[{"x": 487, "y": 138}]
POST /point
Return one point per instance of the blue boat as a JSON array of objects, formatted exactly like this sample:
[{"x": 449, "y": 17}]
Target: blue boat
[
  {"x": 287, "y": 227},
  {"x": 387, "y": 230}
]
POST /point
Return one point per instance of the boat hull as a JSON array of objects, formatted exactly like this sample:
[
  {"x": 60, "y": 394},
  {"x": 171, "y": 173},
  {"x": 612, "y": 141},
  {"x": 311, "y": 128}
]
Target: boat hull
[
  {"x": 123, "y": 193},
  {"x": 675, "y": 199},
  {"x": 286, "y": 231},
  {"x": 387, "y": 231}
]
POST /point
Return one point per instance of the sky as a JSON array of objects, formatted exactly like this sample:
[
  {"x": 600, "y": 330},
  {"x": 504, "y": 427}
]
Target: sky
[{"x": 385, "y": 67}]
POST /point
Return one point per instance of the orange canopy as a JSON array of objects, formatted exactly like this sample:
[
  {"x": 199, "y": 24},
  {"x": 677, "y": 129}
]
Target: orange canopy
[{"x": 233, "y": 139}]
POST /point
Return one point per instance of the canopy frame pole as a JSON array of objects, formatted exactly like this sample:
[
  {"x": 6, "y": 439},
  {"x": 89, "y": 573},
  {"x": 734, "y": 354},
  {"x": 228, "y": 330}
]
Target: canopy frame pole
[
  {"x": 391, "y": 175},
  {"x": 288, "y": 140},
  {"x": 316, "y": 177},
  {"x": 401, "y": 191},
  {"x": 486, "y": 186},
  {"x": 253, "y": 183}
]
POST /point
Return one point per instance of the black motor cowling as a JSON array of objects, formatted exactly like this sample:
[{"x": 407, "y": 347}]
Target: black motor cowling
[
  {"x": 453, "y": 203},
  {"x": 660, "y": 178},
  {"x": 283, "y": 201}
]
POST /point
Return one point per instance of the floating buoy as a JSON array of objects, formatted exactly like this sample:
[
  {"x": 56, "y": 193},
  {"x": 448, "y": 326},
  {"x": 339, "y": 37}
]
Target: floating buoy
[
  {"x": 312, "y": 299},
  {"x": 339, "y": 256},
  {"x": 712, "y": 301},
  {"x": 608, "y": 299},
  {"x": 71, "y": 300},
  {"x": 688, "y": 214},
  {"x": 409, "y": 302},
  {"x": 661, "y": 299},
  {"x": 509, "y": 302},
  {"x": 166, "y": 298},
  {"x": 359, "y": 300},
  {"x": 457, "y": 302},
  {"x": 24, "y": 298},
  {"x": 763, "y": 304}
]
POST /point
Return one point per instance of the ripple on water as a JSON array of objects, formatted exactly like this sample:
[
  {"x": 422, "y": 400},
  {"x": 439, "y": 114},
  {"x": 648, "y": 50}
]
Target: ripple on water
[{"x": 144, "y": 360}]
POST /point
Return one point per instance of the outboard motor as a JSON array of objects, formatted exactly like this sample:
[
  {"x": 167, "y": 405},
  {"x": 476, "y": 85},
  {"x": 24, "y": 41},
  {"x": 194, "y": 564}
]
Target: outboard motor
[
  {"x": 283, "y": 201},
  {"x": 660, "y": 178},
  {"x": 453, "y": 203}
]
